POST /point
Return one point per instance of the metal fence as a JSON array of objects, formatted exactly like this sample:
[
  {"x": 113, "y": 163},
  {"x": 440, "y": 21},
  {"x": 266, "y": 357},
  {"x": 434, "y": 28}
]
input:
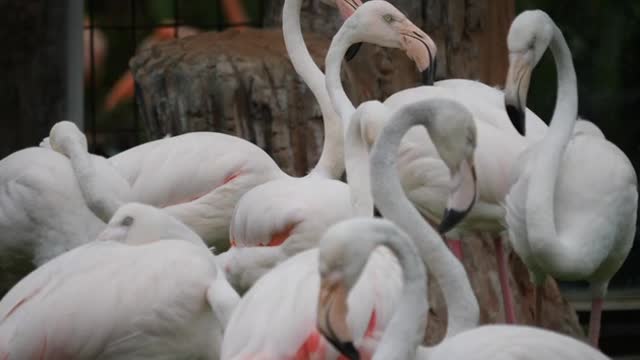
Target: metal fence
[{"x": 124, "y": 24}]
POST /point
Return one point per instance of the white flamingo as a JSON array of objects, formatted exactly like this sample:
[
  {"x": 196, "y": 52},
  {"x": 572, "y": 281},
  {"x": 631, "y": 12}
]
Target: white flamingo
[
  {"x": 571, "y": 211},
  {"x": 424, "y": 177},
  {"x": 147, "y": 288},
  {"x": 42, "y": 210},
  {"x": 343, "y": 253},
  {"x": 284, "y": 300}
]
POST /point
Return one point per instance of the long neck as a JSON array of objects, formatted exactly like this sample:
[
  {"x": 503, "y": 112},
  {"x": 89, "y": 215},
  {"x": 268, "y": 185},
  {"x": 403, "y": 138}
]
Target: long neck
[
  {"x": 331, "y": 163},
  {"x": 101, "y": 203},
  {"x": 406, "y": 329},
  {"x": 333, "y": 64},
  {"x": 541, "y": 225},
  {"x": 462, "y": 306},
  {"x": 357, "y": 163}
]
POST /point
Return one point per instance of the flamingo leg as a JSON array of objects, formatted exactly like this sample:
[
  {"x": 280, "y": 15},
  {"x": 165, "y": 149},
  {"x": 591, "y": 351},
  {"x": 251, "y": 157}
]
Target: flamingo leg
[
  {"x": 456, "y": 247},
  {"x": 503, "y": 273},
  {"x": 594, "y": 321},
  {"x": 538, "y": 314}
]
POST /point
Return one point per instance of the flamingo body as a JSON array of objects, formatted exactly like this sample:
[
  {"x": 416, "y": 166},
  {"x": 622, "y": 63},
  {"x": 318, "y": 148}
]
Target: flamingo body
[
  {"x": 121, "y": 298},
  {"x": 197, "y": 177},
  {"x": 594, "y": 205},
  {"x": 42, "y": 211}
]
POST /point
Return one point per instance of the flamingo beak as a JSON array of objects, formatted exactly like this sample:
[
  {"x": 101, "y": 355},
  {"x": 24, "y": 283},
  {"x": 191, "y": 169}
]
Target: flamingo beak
[
  {"x": 462, "y": 196},
  {"x": 332, "y": 315},
  {"x": 420, "y": 48},
  {"x": 516, "y": 88}
]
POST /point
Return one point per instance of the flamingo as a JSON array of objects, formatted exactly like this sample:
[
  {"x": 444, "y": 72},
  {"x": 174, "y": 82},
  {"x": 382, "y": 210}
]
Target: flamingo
[
  {"x": 341, "y": 260},
  {"x": 289, "y": 214},
  {"x": 343, "y": 253},
  {"x": 285, "y": 299},
  {"x": 571, "y": 211},
  {"x": 99, "y": 46},
  {"x": 148, "y": 287},
  {"x": 42, "y": 209},
  {"x": 424, "y": 176}
]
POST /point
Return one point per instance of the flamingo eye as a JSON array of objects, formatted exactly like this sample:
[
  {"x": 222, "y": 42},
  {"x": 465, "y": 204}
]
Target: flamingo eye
[
  {"x": 388, "y": 18},
  {"x": 127, "y": 221}
]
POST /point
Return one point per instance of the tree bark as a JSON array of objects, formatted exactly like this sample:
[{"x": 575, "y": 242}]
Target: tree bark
[
  {"x": 241, "y": 82},
  {"x": 33, "y": 62}
]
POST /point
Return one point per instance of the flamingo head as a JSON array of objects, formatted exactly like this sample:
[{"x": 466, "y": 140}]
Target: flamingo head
[
  {"x": 137, "y": 224},
  {"x": 63, "y": 134},
  {"x": 529, "y": 36},
  {"x": 380, "y": 23}
]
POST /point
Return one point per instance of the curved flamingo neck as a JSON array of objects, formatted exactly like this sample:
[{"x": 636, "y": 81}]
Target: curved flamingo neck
[
  {"x": 462, "y": 305},
  {"x": 101, "y": 203},
  {"x": 357, "y": 166},
  {"x": 333, "y": 65},
  {"x": 405, "y": 331},
  {"x": 542, "y": 231},
  {"x": 331, "y": 162}
]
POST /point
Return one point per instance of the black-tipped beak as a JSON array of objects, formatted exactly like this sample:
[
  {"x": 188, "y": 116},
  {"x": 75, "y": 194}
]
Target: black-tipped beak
[
  {"x": 462, "y": 197},
  {"x": 450, "y": 219},
  {"x": 352, "y": 51},
  {"x": 347, "y": 349},
  {"x": 517, "y": 117},
  {"x": 515, "y": 90},
  {"x": 429, "y": 74}
]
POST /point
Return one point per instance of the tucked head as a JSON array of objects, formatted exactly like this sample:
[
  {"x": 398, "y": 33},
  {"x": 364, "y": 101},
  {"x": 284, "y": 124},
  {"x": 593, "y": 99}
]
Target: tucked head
[
  {"x": 343, "y": 253},
  {"x": 65, "y": 133},
  {"x": 379, "y": 22},
  {"x": 529, "y": 36},
  {"x": 137, "y": 224}
]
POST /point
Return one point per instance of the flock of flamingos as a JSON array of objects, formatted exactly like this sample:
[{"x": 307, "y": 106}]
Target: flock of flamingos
[{"x": 311, "y": 273}]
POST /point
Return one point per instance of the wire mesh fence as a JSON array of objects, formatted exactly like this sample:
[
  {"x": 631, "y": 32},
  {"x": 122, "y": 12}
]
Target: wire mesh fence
[{"x": 115, "y": 31}]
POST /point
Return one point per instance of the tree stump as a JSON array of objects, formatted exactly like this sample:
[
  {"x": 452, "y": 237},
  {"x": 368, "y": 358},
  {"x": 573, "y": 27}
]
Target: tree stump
[{"x": 242, "y": 83}]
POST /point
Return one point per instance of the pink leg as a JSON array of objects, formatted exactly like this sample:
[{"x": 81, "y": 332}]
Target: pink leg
[
  {"x": 456, "y": 247},
  {"x": 594, "y": 321},
  {"x": 503, "y": 273}
]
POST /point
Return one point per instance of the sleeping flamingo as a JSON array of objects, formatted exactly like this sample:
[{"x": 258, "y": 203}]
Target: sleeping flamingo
[
  {"x": 42, "y": 209},
  {"x": 148, "y": 288},
  {"x": 571, "y": 211}
]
